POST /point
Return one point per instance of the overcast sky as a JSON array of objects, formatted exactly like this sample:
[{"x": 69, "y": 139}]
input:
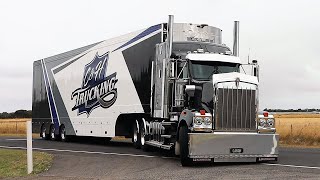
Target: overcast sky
[{"x": 282, "y": 35}]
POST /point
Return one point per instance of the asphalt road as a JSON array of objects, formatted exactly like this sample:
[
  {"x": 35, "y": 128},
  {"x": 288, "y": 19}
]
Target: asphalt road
[{"x": 91, "y": 159}]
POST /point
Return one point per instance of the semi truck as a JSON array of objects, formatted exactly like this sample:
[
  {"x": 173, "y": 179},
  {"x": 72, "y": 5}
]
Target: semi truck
[{"x": 173, "y": 86}]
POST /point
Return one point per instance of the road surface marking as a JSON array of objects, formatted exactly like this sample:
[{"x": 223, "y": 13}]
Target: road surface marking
[
  {"x": 288, "y": 165},
  {"x": 89, "y": 152},
  {"x": 16, "y": 139}
]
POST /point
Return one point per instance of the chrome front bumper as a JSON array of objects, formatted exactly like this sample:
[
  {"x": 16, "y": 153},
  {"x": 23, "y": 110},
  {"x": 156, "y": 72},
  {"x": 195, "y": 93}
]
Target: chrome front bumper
[{"x": 218, "y": 146}]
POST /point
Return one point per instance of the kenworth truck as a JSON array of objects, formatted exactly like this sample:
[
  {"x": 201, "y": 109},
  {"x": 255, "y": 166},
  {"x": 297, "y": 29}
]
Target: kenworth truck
[{"x": 174, "y": 86}]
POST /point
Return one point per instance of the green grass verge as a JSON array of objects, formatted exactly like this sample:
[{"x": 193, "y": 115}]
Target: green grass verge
[{"x": 13, "y": 163}]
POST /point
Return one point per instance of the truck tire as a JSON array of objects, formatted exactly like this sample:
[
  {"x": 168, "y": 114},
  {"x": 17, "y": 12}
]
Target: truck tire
[
  {"x": 63, "y": 135},
  {"x": 144, "y": 137},
  {"x": 136, "y": 136},
  {"x": 184, "y": 146},
  {"x": 52, "y": 133},
  {"x": 43, "y": 134}
]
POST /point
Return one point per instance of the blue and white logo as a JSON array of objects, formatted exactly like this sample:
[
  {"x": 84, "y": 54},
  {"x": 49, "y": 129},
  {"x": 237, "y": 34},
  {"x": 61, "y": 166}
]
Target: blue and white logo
[{"x": 97, "y": 89}]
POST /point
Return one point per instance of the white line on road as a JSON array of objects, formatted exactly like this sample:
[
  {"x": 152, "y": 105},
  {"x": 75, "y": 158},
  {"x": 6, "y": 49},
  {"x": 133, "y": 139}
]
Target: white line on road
[
  {"x": 16, "y": 139},
  {"x": 87, "y": 152},
  {"x": 287, "y": 165}
]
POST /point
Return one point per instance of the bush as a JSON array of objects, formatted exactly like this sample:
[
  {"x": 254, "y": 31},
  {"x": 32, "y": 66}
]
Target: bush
[{"x": 18, "y": 114}]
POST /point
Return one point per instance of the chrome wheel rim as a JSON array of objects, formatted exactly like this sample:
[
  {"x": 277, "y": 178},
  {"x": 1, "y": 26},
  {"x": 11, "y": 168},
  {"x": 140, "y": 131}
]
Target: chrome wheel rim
[
  {"x": 135, "y": 135},
  {"x": 52, "y": 133},
  {"x": 63, "y": 134},
  {"x": 43, "y": 132},
  {"x": 142, "y": 136}
]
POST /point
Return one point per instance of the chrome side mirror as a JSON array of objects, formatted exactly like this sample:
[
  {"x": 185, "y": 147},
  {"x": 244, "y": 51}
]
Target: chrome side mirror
[{"x": 255, "y": 68}]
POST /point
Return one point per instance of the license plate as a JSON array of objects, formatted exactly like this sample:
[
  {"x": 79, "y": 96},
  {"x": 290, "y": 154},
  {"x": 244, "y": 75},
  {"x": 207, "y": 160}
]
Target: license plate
[
  {"x": 236, "y": 150},
  {"x": 202, "y": 159},
  {"x": 261, "y": 159}
]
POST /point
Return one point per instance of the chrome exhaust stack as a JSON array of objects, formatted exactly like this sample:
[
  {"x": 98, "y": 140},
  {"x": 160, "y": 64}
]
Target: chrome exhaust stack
[
  {"x": 170, "y": 34},
  {"x": 236, "y": 39}
]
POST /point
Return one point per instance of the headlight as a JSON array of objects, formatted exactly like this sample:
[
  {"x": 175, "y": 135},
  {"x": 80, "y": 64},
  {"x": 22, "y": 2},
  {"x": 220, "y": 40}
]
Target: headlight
[
  {"x": 262, "y": 122},
  {"x": 266, "y": 123},
  {"x": 207, "y": 121},
  {"x": 202, "y": 122},
  {"x": 270, "y": 122},
  {"x": 198, "y": 120}
]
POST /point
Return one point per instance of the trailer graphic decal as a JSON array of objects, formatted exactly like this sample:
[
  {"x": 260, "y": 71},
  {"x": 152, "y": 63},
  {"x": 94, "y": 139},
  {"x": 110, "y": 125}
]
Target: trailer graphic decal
[
  {"x": 51, "y": 101},
  {"x": 141, "y": 35},
  {"x": 97, "y": 90}
]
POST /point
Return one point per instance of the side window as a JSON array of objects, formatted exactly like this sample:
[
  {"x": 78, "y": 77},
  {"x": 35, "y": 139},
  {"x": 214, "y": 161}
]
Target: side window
[{"x": 183, "y": 69}]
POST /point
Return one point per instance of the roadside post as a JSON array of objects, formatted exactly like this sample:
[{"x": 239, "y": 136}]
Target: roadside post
[{"x": 29, "y": 147}]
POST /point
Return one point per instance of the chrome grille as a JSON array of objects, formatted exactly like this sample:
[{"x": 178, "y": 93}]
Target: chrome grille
[{"x": 235, "y": 109}]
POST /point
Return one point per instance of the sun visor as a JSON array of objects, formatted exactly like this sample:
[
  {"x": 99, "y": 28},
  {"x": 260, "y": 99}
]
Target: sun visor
[{"x": 213, "y": 57}]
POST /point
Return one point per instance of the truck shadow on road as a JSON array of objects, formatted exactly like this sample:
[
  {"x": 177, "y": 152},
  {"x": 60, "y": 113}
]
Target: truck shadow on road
[{"x": 101, "y": 141}]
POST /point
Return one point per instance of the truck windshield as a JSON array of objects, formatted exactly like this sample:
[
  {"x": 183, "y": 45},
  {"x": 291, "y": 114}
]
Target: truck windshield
[{"x": 203, "y": 70}]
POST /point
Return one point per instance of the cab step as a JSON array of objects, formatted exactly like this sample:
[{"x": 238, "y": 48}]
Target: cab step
[
  {"x": 168, "y": 123},
  {"x": 159, "y": 145},
  {"x": 166, "y": 136}
]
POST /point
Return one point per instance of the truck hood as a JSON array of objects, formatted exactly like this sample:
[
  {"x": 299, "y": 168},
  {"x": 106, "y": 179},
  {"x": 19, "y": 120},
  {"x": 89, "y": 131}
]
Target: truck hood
[{"x": 230, "y": 80}]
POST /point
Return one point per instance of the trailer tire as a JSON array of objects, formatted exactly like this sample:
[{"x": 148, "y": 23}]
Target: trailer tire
[
  {"x": 184, "y": 146},
  {"x": 63, "y": 134},
  {"x": 43, "y": 134},
  {"x": 52, "y": 133},
  {"x": 136, "y": 135}
]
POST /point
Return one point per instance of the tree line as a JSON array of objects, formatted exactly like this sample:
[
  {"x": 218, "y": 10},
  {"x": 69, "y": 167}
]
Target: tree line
[
  {"x": 17, "y": 114},
  {"x": 292, "y": 110}
]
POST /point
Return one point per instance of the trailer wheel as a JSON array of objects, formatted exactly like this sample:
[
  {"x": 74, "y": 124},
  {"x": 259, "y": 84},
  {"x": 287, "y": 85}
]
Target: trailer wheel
[
  {"x": 63, "y": 135},
  {"x": 43, "y": 134},
  {"x": 136, "y": 137},
  {"x": 52, "y": 133},
  {"x": 184, "y": 146}
]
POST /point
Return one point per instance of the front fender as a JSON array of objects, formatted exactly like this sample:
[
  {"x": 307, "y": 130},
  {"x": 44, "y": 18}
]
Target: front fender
[{"x": 186, "y": 116}]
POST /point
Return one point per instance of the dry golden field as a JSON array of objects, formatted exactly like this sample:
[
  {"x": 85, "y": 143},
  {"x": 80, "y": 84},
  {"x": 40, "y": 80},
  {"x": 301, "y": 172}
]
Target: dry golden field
[
  {"x": 299, "y": 129},
  {"x": 13, "y": 126}
]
